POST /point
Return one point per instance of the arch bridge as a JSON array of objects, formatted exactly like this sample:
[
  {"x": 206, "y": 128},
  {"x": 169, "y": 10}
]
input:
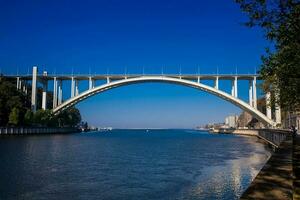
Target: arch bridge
[{"x": 111, "y": 81}]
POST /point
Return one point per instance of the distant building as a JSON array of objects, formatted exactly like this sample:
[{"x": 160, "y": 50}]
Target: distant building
[{"x": 231, "y": 121}]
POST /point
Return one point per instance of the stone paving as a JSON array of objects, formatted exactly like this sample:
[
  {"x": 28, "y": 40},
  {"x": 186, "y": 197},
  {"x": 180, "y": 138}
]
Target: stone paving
[{"x": 296, "y": 166}]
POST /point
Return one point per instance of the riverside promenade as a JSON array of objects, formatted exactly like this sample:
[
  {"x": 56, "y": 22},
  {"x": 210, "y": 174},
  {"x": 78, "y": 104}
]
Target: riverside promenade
[
  {"x": 279, "y": 179},
  {"x": 275, "y": 180},
  {"x": 296, "y": 167}
]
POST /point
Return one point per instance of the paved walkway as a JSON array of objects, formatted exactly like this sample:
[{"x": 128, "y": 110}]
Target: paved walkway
[
  {"x": 275, "y": 180},
  {"x": 296, "y": 166}
]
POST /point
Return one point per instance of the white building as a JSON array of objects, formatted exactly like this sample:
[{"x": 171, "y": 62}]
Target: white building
[{"x": 231, "y": 121}]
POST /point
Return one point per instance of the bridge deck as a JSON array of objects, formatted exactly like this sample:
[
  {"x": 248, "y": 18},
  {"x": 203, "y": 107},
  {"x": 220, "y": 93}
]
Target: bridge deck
[{"x": 122, "y": 76}]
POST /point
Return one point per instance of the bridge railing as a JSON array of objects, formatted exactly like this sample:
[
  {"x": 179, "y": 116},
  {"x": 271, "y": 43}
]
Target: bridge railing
[{"x": 275, "y": 136}]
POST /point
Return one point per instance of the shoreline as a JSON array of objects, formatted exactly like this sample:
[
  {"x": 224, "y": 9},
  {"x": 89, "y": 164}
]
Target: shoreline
[
  {"x": 6, "y": 131},
  {"x": 275, "y": 179}
]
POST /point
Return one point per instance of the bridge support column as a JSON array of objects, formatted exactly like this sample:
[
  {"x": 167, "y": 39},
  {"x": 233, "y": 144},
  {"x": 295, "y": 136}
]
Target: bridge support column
[
  {"x": 107, "y": 80},
  {"x": 268, "y": 105},
  {"x": 59, "y": 92},
  {"x": 217, "y": 83},
  {"x": 232, "y": 88},
  {"x": 72, "y": 87},
  {"x": 44, "y": 97},
  {"x": 18, "y": 82},
  {"x": 76, "y": 87},
  {"x": 198, "y": 79},
  {"x": 251, "y": 93},
  {"x": 91, "y": 83},
  {"x": 254, "y": 93},
  {"x": 235, "y": 87},
  {"x": 277, "y": 114},
  {"x": 24, "y": 87},
  {"x": 54, "y": 92},
  {"x": 33, "y": 89},
  {"x": 18, "y": 78},
  {"x": 277, "y": 110}
]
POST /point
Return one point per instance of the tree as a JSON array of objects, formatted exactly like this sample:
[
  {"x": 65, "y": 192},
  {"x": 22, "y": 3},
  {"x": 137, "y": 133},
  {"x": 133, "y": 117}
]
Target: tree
[
  {"x": 70, "y": 117},
  {"x": 28, "y": 118},
  {"x": 14, "y": 117},
  {"x": 45, "y": 118},
  {"x": 11, "y": 98},
  {"x": 15, "y": 109},
  {"x": 280, "y": 19}
]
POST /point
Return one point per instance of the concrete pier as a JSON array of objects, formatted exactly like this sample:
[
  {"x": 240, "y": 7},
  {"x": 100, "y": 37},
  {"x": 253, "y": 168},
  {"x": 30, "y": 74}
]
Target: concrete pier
[
  {"x": 235, "y": 87},
  {"x": 232, "y": 88},
  {"x": 268, "y": 106},
  {"x": 251, "y": 93},
  {"x": 54, "y": 92},
  {"x": 277, "y": 109},
  {"x": 72, "y": 87},
  {"x": 59, "y": 97},
  {"x": 44, "y": 96},
  {"x": 76, "y": 87},
  {"x": 91, "y": 83},
  {"x": 217, "y": 83},
  {"x": 33, "y": 89},
  {"x": 18, "y": 82},
  {"x": 254, "y": 93}
]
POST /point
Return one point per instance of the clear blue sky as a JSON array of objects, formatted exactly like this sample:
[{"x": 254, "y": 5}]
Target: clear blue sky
[{"x": 111, "y": 35}]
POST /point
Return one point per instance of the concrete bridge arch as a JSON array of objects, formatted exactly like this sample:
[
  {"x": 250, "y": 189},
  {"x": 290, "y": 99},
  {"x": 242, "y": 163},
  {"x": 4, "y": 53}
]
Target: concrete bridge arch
[{"x": 174, "y": 80}]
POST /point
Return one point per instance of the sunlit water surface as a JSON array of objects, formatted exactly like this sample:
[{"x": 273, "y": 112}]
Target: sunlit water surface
[{"x": 129, "y": 164}]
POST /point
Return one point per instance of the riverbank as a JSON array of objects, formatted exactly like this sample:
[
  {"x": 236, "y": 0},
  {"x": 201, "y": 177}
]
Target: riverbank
[
  {"x": 280, "y": 177},
  {"x": 36, "y": 130},
  {"x": 275, "y": 180}
]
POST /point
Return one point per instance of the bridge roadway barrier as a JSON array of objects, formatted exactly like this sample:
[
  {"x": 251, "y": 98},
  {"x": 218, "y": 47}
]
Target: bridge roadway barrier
[{"x": 37, "y": 130}]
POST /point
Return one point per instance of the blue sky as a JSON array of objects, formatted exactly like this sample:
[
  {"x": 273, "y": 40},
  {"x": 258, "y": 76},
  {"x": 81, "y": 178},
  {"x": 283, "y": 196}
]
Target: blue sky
[{"x": 111, "y": 35}]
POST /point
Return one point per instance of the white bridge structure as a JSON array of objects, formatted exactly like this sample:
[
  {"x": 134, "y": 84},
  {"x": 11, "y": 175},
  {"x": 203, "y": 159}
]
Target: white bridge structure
[{"x": 111, "y": 81}]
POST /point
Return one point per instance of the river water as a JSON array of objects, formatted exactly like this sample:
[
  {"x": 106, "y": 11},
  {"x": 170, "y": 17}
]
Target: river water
[{"x": 129, "y": 164}]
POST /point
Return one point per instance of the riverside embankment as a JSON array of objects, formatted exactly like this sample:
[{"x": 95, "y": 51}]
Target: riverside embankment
[
  {"x": 277, "y": 179},
  {"x": 34, "y": 130},
  {"x": 272, "y": 136}
]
